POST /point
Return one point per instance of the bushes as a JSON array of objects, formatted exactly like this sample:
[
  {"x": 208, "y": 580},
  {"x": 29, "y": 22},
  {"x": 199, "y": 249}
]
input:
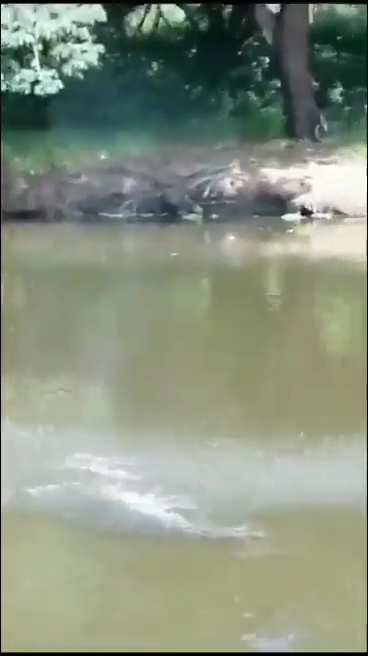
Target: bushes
[{"x": 180, "y": 73}]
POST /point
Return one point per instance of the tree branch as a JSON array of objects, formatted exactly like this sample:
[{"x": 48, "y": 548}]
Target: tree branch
[{"x": 144, "y": 16}]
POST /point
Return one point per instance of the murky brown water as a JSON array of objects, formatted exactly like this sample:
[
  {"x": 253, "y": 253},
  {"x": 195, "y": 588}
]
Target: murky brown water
[{"x": 183, "y": 442}]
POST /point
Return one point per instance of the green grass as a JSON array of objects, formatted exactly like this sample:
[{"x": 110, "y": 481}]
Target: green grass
[
  {"x": 40, "y": 151},
  {"x": 37, "y": 151}
]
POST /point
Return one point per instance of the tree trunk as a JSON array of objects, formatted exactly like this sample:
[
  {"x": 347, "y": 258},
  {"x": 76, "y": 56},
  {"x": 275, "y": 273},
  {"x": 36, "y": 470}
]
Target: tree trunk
[{"x": 291, "y": 42}]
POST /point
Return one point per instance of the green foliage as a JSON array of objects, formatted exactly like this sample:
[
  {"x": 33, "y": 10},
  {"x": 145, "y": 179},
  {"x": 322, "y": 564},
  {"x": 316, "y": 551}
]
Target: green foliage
[
  {"x": 339, "y": 40},
  {"x": 41, "y": 45},
  {"x": 165, "y": 65}
]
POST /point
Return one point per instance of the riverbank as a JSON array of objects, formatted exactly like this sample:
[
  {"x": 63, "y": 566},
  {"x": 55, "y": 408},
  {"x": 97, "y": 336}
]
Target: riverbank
[{"x": 169, "y": 183}]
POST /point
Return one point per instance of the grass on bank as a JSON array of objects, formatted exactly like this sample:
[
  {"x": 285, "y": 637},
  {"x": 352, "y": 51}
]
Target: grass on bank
[{"x": 40, "y": 151}]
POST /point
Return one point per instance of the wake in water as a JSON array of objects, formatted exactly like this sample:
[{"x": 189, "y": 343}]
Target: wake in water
[
  {"x": 214, "y": 490},
  {"x": 103, "y": 493}
]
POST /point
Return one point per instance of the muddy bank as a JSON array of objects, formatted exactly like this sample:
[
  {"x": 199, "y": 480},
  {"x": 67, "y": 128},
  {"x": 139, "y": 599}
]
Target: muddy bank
[{"x": 189, "y": 185}]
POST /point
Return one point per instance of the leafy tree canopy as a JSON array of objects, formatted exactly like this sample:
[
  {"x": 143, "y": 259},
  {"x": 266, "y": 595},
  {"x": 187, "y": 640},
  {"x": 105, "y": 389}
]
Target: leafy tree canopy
[{"x": 41, "y": 45}]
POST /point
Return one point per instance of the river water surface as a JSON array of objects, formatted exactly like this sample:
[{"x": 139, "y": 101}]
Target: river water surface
[{"x": 183, "y": 441}]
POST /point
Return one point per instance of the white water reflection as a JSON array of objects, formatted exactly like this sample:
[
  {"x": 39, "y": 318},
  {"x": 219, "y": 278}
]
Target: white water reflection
[{"x": 219, "y": 489}]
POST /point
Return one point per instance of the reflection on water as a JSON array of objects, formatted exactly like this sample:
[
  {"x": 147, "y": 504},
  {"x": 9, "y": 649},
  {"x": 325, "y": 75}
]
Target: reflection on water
[{"x": 183, "y": 442}]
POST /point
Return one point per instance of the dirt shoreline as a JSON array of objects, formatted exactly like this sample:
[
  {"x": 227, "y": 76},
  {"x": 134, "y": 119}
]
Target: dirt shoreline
[{"x": 219, "y": 183}]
